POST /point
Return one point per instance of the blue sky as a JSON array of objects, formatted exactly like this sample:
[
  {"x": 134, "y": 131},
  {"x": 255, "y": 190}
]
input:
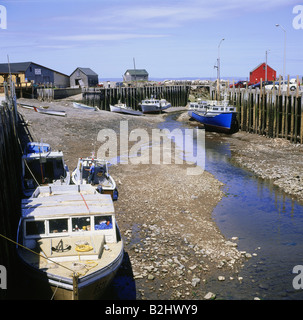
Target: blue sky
[{"x": 168, "y": 38}]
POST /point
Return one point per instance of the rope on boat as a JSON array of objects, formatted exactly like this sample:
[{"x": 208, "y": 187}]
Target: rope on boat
[
  {"x": 31, "y": 172},
  {"x": 40, "y": 255},
  {"x": 85, "y": 202}
]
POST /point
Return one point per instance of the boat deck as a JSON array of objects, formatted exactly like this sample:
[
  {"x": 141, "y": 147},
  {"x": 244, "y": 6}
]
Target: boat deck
[{"x": 64, "y": 263}]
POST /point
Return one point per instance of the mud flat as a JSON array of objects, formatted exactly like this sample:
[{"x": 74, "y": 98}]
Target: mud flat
[{"x": 165, "y": 215}]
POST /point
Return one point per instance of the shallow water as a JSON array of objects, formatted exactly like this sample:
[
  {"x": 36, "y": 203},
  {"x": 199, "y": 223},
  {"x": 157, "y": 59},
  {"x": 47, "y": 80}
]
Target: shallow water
[{"x": 266, "y": 221}]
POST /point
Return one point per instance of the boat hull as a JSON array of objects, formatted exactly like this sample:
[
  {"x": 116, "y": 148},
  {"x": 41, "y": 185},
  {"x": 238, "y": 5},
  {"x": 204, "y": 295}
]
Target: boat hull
[
  {"x": 125, "y": 110},
  {"x": 153, "y": 108},
  {"x": 83, "y": 106},
  {"x": 91, "y": 287},
  {"x": 223, "y": 122}
]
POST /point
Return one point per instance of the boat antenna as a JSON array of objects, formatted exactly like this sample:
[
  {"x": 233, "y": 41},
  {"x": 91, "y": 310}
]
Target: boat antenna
[{"x": 135, "y": 72}]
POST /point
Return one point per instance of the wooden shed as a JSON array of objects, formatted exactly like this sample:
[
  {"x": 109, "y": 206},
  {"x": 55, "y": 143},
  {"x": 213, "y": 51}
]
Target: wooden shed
[
  {"x": 260, "y": 73},
  {"x": 84, "y": 77},
  {"x": 135, "y": 75}
]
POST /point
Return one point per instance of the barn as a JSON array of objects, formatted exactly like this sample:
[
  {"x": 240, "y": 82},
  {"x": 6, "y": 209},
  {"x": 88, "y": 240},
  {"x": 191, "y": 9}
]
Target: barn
[
  {"x": 84, "y": 77},
  {"x": 260, "y": 73},
  {"x": 23, "y": 72},
  {"x": 135, "y": 75}
]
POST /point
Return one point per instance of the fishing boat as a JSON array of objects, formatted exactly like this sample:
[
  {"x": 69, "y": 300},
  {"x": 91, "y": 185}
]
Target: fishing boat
[
  {"x": 103, "y": 181},
  {"x": 42, "y": 166},
  {"x": 153, "y": 105},
  {"x": 69, "y": 242},
  {"x": 123, "y": 108},
  {"x": 84, "y": 106},
  {"x": 219, "y": 117},
  {"x": 197, "y": 106}
]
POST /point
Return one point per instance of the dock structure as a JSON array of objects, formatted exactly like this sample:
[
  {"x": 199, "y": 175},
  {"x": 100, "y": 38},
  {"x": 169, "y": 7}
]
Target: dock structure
[
  {"x": 10, "y": 173},
  {"x": 271, "y": 113},
  {"x": 102, "y": 98}
]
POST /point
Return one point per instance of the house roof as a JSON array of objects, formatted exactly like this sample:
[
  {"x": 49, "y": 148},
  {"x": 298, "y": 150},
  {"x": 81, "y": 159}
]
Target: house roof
[
  {"x": 20, "y": 67},
  {"x": 14, "y": 67},
  {"x": 87, "y": 71},
  {"x": 258, "y": 66},
  {"x": 137, "y": 72}
]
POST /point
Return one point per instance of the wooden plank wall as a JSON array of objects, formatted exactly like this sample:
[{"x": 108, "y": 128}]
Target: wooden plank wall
[
  {"x": 271, "y": 113},
  {"x": 10, "y": 186},
  {"x": 102, "y": 97}
]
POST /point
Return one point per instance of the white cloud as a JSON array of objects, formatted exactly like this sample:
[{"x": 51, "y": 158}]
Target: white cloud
[
  {"x": 131, "y": 14},
  {"x": 106, "y": 37}
]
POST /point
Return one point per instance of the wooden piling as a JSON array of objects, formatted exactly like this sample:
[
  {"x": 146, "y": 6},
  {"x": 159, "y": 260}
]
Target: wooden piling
[
  {"x": 274, "y": 113},
  {"x": 10, "y": 186}
]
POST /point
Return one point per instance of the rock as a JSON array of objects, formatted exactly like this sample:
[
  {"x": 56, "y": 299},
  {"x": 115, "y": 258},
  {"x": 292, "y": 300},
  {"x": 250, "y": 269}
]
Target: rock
[
  {"x": 195, "y": 282},
  {"x": 150, "y": 277},
  {"x": 231, "y": 244},
  {"x": 210, "y": 296},
  {"x": 221, "y": 278}
]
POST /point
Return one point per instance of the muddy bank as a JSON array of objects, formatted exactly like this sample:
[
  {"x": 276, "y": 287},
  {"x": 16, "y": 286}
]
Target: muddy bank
[
  {"x": 164, "y": 215},
  {"x": 277, "y": 160}
]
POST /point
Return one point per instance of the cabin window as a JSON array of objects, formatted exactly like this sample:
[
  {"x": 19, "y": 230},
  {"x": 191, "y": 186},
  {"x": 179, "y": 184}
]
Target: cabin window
[
  {"x": 215, "y": 108},
  {"x": 81, "y": 224},
  {"x": 58, "y": 225},
  {"x": 103, "y": 222},
  {"x": 35, "y": 228}
]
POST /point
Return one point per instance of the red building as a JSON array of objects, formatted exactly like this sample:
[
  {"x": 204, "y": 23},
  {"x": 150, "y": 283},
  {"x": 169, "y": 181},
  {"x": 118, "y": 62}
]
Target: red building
[{"x": 260, "y": 73}]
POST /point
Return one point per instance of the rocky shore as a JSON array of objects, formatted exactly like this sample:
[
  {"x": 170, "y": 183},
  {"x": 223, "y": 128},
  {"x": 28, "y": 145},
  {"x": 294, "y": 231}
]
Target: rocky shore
[{"x": 172, "y": 244}]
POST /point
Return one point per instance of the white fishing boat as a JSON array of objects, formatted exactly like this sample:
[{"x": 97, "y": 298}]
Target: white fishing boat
[
  {"x": 69, "y": 242},
  {"x": 197, "y": 106},
  {"x": 42, "y": 166},
  {"x": 84, "y": 106},
  {"x": 101, "y": 178},
  {"x": 153, "y": 105},
  {"x": 123, "y": 108}
]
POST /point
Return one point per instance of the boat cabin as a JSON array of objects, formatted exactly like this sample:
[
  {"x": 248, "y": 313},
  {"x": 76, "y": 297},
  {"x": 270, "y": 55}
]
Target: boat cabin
[
  {"x": 43, "y": 168},
  {"x": 222, "y": 108},
  {"x": 151, "y": 101},
  {"x": 55, "y": 219},
  {"x": 101, "y": 169}
]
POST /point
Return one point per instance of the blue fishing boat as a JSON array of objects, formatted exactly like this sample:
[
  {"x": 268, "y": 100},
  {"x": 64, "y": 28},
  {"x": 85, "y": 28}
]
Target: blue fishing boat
[{"x": 218, "y": 117}]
